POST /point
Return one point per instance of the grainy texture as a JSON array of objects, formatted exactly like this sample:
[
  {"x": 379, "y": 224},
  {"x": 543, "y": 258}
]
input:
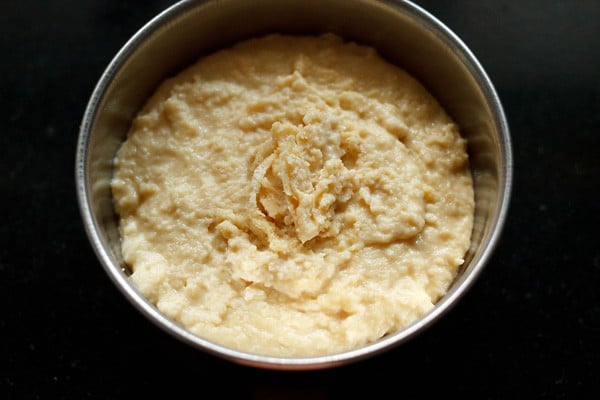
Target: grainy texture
[{"x": 293, "y": 196}]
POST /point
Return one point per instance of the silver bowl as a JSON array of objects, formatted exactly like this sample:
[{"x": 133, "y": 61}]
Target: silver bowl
[{"x": 402, "y": 32}]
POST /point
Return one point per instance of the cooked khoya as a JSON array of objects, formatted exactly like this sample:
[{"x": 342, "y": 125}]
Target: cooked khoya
[{"x": 293, "y": 196}]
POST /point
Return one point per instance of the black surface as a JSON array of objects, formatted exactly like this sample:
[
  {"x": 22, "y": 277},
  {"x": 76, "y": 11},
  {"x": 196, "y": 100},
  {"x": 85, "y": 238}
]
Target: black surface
[{"x": 529, "y": 328}]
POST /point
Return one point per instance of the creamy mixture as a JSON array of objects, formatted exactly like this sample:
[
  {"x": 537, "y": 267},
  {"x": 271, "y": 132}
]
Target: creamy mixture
[{"x": 293, "y": 196}]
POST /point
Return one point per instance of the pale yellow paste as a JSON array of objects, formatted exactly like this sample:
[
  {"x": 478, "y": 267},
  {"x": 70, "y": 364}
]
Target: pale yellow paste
[{"x": 293, "y": 196}]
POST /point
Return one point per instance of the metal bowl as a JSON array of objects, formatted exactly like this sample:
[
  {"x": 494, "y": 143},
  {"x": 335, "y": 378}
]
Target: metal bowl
[{"x": 403, "y": 33}]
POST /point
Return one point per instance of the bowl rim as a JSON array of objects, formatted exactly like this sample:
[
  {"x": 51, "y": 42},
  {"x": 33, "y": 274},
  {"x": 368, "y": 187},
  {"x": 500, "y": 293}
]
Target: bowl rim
[{"x": 116, "y": 274}]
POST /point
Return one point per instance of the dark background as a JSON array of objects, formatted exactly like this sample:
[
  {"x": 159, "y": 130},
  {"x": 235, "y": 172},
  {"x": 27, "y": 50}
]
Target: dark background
[{"x": 529, "y": 327}]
